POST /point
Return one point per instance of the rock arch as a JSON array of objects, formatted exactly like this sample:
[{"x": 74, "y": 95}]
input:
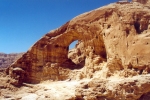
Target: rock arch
[
  {"x": 105, "y": 35},
  {"x": 48, "y": 57}
]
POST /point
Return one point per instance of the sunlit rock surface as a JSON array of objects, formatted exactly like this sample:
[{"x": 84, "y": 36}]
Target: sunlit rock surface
[{"x": 111, "y": 58}]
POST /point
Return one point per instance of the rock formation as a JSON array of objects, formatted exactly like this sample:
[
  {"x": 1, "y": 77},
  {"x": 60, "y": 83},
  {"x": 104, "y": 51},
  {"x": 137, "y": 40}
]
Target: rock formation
[
  {"x": 141, "y": 1},
  {"x": 113, "y": 41}
]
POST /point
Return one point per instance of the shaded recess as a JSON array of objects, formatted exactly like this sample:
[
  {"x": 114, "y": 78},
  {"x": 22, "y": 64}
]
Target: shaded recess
[
  {"x": 145, "y": 96},
  {"x": 137, "y": 27}
]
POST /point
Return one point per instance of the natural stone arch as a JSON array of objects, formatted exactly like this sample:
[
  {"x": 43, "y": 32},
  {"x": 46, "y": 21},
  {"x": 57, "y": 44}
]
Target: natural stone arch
[
  {"x": 48, "y": 58},
  {"x": 120, "y": 47}
]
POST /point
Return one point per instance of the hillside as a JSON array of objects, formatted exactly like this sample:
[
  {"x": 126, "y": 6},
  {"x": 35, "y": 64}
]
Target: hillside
[{"x": 7, "y": 59}]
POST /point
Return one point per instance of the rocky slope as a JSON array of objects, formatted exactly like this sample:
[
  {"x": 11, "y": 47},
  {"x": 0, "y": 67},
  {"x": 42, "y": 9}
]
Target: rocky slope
[
  {"x": 110, "y": 61},
  {"x": 7, "y": 59},
  {"x": 114, "y": 88}
]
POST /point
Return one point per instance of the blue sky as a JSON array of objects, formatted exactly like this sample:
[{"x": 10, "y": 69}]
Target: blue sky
[{"x": 23, "y": 22}]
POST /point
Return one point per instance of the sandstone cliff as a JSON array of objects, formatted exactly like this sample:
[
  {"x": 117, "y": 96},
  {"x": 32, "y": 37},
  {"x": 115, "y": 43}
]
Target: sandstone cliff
[{"x": 113, "y": 42}]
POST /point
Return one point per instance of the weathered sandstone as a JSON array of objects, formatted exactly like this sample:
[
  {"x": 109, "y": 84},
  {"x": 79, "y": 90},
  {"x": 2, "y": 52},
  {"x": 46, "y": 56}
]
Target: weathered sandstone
[
  {"x": 113, "y": 41},
  {"x": 141, "y": 1}
]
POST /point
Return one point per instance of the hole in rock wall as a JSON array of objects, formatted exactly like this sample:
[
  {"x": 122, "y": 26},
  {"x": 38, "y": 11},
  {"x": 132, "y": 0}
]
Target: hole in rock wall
[
  {"x": 73, "y": 44},
  {"x": 75, "y": 55}
]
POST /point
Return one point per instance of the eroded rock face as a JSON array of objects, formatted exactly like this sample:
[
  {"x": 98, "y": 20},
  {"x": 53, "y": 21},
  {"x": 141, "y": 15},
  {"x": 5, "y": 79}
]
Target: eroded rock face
[
  {"x": 114, "y": 89},
  {"x": 141, "y": 1},
  {"x": 112, "y": 39}
]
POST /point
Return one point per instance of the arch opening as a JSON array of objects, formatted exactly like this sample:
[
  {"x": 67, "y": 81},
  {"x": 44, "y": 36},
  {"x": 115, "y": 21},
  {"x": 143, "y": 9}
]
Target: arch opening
[
  {"x": 75, "y": 55},
  {"x": 73, "y": 44}
]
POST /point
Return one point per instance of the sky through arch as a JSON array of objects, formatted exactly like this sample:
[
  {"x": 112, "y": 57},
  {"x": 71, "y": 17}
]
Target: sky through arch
[{"x": 73, "y": 44}]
